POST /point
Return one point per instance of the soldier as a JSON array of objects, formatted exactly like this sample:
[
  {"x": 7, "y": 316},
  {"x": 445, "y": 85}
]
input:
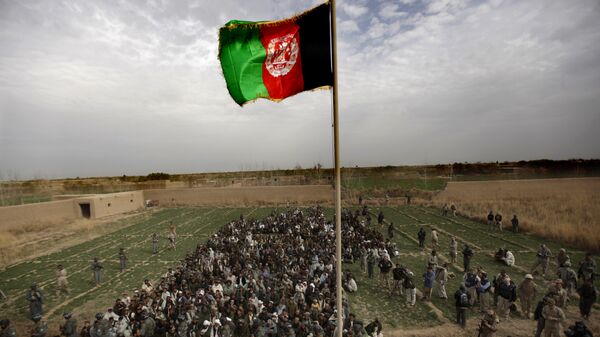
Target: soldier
[
  {"x": 562, "y": 257},
  {"x": 490, "y": 220},
  {"x": 553, "y": 316},
  {"x": 97, "y": 271},
  {"x": 421, "y": 235},
  {"x": 86, "y": 330},
  {"x": 467, "y": 256},
  {"x": 380, "y": 218},
  {"x": 488, "y": 325},
  {"x": 100, "y": 327},
  {"x": 8, "y": 330},
  {"x": 40, "y": 327},
  {"x": 154, "y": 243},
  {"x": 148, "y": 326},
  {"x": 122, "y": 259},
  {"x": 391, "y": 230},
  {"x": 62, "y": 285},
  {"x": 498, "y": 221},
  {"x": 515, "y": 224},
  {"x": 527, "y": 292},
  {"x": 453, "y": 250},
  {"x": 587, "y": 297},
  {"x": 445, "y": 210},
  {"x": 543, "y": 258},
  {"x": 587, "y": 268},
  {"x": 70, "y": 327},
  {"x": 568, "y": 277},
  {"x": 36, "y": 301}
]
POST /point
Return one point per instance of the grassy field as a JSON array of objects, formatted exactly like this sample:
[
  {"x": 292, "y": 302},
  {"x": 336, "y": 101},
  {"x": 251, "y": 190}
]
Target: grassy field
[
  {"x": 379, "y": 182},
  {"x": 196, "y": 224},
  {"x": 558, "y": 209}
]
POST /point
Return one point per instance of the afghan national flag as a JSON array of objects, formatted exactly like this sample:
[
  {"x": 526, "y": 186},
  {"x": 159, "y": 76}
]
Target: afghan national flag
[{"x": 276, "y": 59}]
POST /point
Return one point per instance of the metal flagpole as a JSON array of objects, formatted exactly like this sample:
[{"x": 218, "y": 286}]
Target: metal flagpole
[{"x": 338, "y": 180}]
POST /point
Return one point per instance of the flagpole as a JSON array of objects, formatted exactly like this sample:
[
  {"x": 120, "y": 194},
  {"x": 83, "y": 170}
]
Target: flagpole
[{"x": 338, "y": 180}]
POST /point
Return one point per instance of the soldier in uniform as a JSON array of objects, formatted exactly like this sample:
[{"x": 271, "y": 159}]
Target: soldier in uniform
[
  {"x": 97, "y": 271},
  {"x": 8, "y": 330},
  {"x": 488, "y": 325},
  {"x": 100, "y": 326},
  {"x": 148, "y": 326},
  {"x": 553, "y": 316},
  {"x": 70, "y": 327},
  {"x": 568, "y": 277},
  {"x": 527, "y": 292},
  {"x": 562, "y": 257},
  {"x": 587, "y": 297},
  {"x": 467, "y": 256},
  {"x": 543, "y": 258},
  {"x": 61, "y": 280},
  {"x": 587, "y": 269},
  {"x": 122, "y": 259},
  {"x": 40, "y": 327},
  {"x": 36, "y": 301}
]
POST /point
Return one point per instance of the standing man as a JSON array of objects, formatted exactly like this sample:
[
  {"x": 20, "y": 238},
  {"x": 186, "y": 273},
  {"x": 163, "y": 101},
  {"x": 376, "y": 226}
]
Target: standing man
[
  {"x": 471, "y": 281},
  {"x": 527, "y": 292},
  {"x": 587, "y": 297},
  {"x": 587, "y": 268},
  {"x": 441, "y": 277},
  {"x": 154, "y": 243},
  {"x": 467, "y": 256},
  {"x": 432, "y": 260},
  {"x": 515, "y": 224},
  {"x": 554, "y": 316},
  {"x": 543, "y": 259},
  {"x": 484, "y": 291},
  {"x": 490, "y": 219},
  {"x": 568, "y": 277},
  {"x": 453, "y": 250},
  {"x": 373, "y": 256},
  {"x": 507, "y": 294},
  {"x": 122, "y": 259},
  {"x": 409, "y": 286},
  {"x": 421, "y": 235},
  {"x": 391, "y": 230},
  {"x": 70, "y": 327},
  {"x": 488, "y": 325},
  {"x": 380, "y": 218},
  {"x": 462, "y": 304},
  {"x": 36, "y": 301},
  {"x": 61, "y": 280},
  {"x": 498, "y": 220},
  {"x": 97, "y": 271},
  {"x": 385, "y": 265},
  {"x": 428, "y": 279},
  {"x": 434, "y": 238}
]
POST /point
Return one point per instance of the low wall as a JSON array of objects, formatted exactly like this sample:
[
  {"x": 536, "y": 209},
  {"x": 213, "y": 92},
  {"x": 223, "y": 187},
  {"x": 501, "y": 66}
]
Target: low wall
[
  {"x": 110, "y": 204},
  {"x": 241, "y": 196},
  {"x": 43, "y": 212}
]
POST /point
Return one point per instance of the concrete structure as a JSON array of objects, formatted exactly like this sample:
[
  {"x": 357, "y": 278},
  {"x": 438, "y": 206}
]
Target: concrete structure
[{"x": 101, "y": 205}]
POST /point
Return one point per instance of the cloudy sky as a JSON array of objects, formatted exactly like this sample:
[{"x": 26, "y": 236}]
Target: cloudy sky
[{"x": 95, "y": 88}]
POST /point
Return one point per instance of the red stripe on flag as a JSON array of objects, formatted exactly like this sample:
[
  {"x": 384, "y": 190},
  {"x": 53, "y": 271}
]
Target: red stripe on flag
[{"x": 282, "y": 68}]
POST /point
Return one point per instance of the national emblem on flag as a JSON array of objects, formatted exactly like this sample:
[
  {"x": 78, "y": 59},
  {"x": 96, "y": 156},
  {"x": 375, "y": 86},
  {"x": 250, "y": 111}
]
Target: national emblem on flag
[{"x": 277, "y": 59}]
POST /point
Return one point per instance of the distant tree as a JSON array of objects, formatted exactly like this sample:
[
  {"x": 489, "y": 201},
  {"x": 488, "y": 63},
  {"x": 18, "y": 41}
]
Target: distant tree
[{"x": 157, "y": 176}]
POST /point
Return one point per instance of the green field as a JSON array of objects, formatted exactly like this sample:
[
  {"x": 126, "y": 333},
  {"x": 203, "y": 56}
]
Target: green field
[{"x": 194, "y": 225}]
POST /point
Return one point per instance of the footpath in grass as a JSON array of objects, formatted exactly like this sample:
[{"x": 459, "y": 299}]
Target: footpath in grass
[{"x": 194, "y": 225}]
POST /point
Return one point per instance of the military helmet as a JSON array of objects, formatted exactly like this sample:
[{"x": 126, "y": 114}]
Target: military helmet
[{"x": 99, "y": 315}]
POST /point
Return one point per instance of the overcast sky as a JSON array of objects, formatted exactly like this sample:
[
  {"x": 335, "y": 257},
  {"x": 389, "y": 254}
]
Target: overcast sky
[{"x": 97, "y": 88}]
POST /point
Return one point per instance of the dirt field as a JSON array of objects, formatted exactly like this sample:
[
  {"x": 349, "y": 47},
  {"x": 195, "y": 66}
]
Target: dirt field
[{"x": 559, "y": 209}]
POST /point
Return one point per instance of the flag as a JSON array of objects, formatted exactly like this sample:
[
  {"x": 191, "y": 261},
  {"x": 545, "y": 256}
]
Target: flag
[{"x": 276, "y": 59}]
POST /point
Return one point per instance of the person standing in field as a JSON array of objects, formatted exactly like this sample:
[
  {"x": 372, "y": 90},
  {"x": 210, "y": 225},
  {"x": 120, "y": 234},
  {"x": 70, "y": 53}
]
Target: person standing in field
[
  {"x": 409, "y": 286},
  {"x": 434, "y": 238},
  {"x": 587, "y": 268},
  {"x": 432, "y": 260},
  {"x": 553, "y": 316},
  {"x": 391, "y": 230},
  {"x": 154, "y": 243},
  {"x": 385, "y": 265},
  {"x": 453, "y": 250},
  {"x": 467, "y": 256},
  {"x": 543, "y": 259},
  {"x": 490, "y": 220},
  {"x": 471, "y": 281},
  {"x": 428, "y": 279},
  {"x": 488, "y": 325},
  {"x": 97, "y": 271},
  {"x": 453, "y": 210},
  {"x": 527, "y": 293},
  {"x": 36, "y": 301},
  {"x": 568, "y": 277},
  {"x": 506, "y": 296},
  {"x": 587, "y": 297},
  {"x": 515, "y": 224},
  {"x": 62, "y": 284},
  {"x": 122, "y": 259},
  {"x": 8, "y": 330},
  {"x": 461, "y": 299},
  {"x": 421, "y": 236},
  {"x": 40, "y": 328},
  {"x": 441, "y": 278},
  {"x": 484, "y": 292},
  {"x": 498, "y": 221},
  {"x": 70, "y": 327},
  {"x": 380, "y": 218}
]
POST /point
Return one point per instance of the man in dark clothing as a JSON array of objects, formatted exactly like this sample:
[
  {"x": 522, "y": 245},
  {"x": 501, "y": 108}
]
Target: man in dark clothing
[
  {"x": 490, "y": 219},
  {"x": 36, "y": 301},
  {"x": 587, "y": 297},
  {"x": 421, "y": 235},
  {"x": 537, "y": 315},
  {"x": 462, "y": 304},
  {"x": 515, "y": 224},
  {"x": 467, "y": 256},
  {"x": 70, "y": 327},
  {"x": 380, "y": 218},
  {"x": 391, "y": 230},
  {"x": 374, "y": 328},
  {"x": 8, "y": 330}
]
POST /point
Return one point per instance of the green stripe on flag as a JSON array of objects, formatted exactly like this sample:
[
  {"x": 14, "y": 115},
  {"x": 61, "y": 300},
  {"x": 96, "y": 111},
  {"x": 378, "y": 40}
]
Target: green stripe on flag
[{"x": 242, "y": 56}]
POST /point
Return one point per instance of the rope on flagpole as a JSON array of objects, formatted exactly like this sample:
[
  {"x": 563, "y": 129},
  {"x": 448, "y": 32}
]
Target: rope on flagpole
[{"x": 338, "y": 180}]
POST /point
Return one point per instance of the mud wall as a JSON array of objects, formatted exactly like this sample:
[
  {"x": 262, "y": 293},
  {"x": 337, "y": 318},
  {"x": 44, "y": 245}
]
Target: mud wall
[
  {"x": 241, "y": 196},
  {"x": 43, "y": 212}
]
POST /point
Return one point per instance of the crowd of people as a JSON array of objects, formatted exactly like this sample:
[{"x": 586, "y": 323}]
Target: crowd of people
[{"x": 276, "y": 277}]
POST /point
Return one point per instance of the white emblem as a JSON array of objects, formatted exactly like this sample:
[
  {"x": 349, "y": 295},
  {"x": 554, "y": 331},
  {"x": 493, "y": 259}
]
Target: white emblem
[{"x": 282, "y": 53}]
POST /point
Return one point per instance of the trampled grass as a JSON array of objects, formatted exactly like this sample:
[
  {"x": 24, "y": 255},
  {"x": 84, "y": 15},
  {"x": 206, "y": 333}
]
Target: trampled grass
[{"x": 196, "y": 224}]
